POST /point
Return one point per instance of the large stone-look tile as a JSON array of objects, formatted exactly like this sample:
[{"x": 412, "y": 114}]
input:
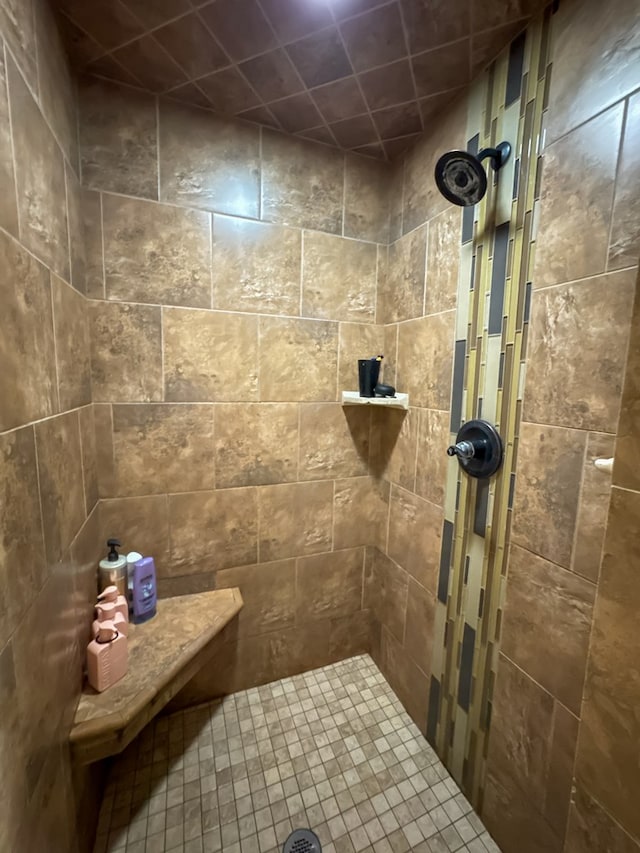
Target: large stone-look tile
[
  {"x": 126, "y": 352},
  {"x": 162, "y": 448},
  {"x": 546, "y": 624},
  {"x": 366, "y": 202},
  {"x": 432, "y": 459},
  {"x": 415, "y": 533},
  {"x": 595, "y": 60},
  {"x": 360, "y": 508},
  {"x": 394, "y": 442},
  {"x": 350, "y": 635},
  {"x": 268, "y": 592},
  {"x": 91, "y": 213},
  {"x": 408, "y": 682},
  {"x": 75, "y": 213},
  {"x": 421, "y": 612},
  {"x": 425, "y": 360},
  {"x": 576, "y": 200},
  {"x": 298, "y": 360},
  {"x": 105, "y": 457},
  {"x": 8, "y": 202},
  {"x": 592, "y": 830},
  {"x": 89, "y": 456},
  {"x": 213, "y": 530},
  {"x": 443, "y": 257},
  {"x": 144, "y": 262},
  {"x": 209, "y": 161},
  {"x": 550, "y": 461},
  {"x": 576, "y": 352},
  {"x": 61, "y": 482},
  {"x": 302, "y": 183},
  {"x": 256, "y": 266},
  {"x": 27, "y": 351},
  {"x": 626, "y": 472},
  {"x": 607, "y": 763},
  {"x": 329, "y": 585},
  {"x": 141, "y": 524},
  {"x": 295, "y": 519},
  {"x": 624, "y": 243},
  {"x": 256, "y": 444},
  {"x": 40, "y": 179},
  {"x": 386, "y": 588},
  {"x": 13, "y": 784},
  {"x": 118, "y": 139},
  {"x": 594, "y": 505},
  {"x": 22, "y": 567},
  {"x": 210, "y": 356},
  {"x": 339, "y": 278},
  {"x": 357, "y": 340},
  {"x": 562, "y": 758},
  {"x": 401, "y": 293},
  {"x": 73, "y": 357},
  {"x": 334, "y": 441},
  {"x": 17, "y": 24}
]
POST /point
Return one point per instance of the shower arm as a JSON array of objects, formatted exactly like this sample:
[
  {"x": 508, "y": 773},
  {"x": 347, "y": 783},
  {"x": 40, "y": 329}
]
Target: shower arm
[{"x": 498, "y": 156}]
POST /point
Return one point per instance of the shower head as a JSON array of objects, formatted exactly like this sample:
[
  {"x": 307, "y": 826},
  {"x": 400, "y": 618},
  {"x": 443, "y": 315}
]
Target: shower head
[{"x": 460, "y": 176}]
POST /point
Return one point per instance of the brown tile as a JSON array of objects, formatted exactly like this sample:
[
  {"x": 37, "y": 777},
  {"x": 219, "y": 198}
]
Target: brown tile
[
  {"x": 340, "y": 99},
  {"x": 91, "y": 212},
  {"x": 137, "y": 266},
  {"x": 546, "y": 624},
  {"x": 428, "y": 341},
  {"x": 443, "y": 255},
  {"x": 298, "y": 360},
  {"x": 291, "y": 20},
  {"x": 329, "y": 586},
  {"x": 386, "y": 588},
  {"x": 568, "y": 381},
  {"x": 339, "y": 278},
  {"x": 441, "y": 69},
  {"x": 81, "y": 47},
  {"x": 421, "y": 612},
  {"x": 77, "y": 254},
  {"x": 20, "y": 528},
  {"x": 73, "y": 357},
  {"x": 260, "y": 115},
  {"x": 415, "y": 533},
  {"x": 334, "y": 441},
  {"x": 9, "y": 204},
  {"x": 431, "y": 106},
  {"x": 366, "y": 204},
  {"x": 624, "y": 242},
  {"x": 268, "y": 594},
  {"x": 162, "y": 448},
  {"x": 89, "y": 457},
  {"x": 320, "y": 58},
  {"x": 207, "y": 161},
  {"x": 402, "y": 120},
  {"x": 13, "y": 788},
  {"x": 126, "y": 352},
  {"x": 321, "y": 134},
  {"x": 213, "y": 530},
  {"x": 193, "y": 94},
  {"x": 375, "y": 38},
  {"x": 295, "y": 519},
  {"x": 40, "y": 179},
  {"x": 594, "y": 505},
  {"x": 18, "y": 27},
  {"x": 61, "y": 483},
  {"x": 389, "y": 85},
  {"x": 105, "y": 458},
  {"x": 109, "y": 21},
  {"x": 391, "y": 352},
  {"x": 292, "y": 193},
  {"x": 155, "y": 13},
  {"x": 27, "y": 351},
  {"x": 354, "y": 132},
  {"x": 209, "y": 356},
  {"x": 357, "y": 340},
  {"x": 240, "y": 27},
  {"x": 118, "y": 139},
  {"x": 395, "y": 436},
  {"x": 432, "y": 460},
  {"x": 256, "y": 444},
  {"x": 402, "y": 293},
  {"x": 107, "y": 68},
  {"x": 186, "y": 584},
  {"x": 395, "y": 148},
  {"x": 256, "y": 266},
  {"x": 486, "y": 46},
  {"x": 141, "y": 524},
  {"x": 626, "y": 472},
  {"x": 150, "y": 63},
  {"x": 591, "y": 829},
  {"x": 296, "y": 113},
  {"x": 272, "y": 75},
  {"x": 430, "y": 26},
  {"x": 561, "y": 763},
  {"x": 350, "y": 635},
  {"x": 550, "y": 463},
  {"x": 191, "y": 44},
  {"x": 360, "y": 507},
  {"x": 85, "y": 554},
  {"x": 409, "y": 684},
  {"x": 576, "y": 198}
]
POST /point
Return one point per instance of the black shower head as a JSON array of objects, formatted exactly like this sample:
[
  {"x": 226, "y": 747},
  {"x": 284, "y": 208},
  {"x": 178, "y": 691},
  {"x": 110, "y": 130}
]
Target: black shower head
[{"x": 461, "y": 177}]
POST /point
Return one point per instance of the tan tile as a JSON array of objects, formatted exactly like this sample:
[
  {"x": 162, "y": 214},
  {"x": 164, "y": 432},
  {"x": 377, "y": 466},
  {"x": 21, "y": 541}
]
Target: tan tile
[
  {"x": 141, "y": 524},
  {"x": 546, "y": 624},
  {"x": 256, "y": 266},
  {"x": 425, "y": 360},
  {"x": 213, "y": 530},
  {"x": 329, "y": 585},
  {"x": 366, "y": 199},
  {"x": 268, "y": 592},
  {"x": 432, "y": 459},
  {"x": 409, "y": 684},
  {"x": 91, "y": 212},
  {"x": 550, "y": 461},
  {"x": 138, "y": 267},
  {"x": 256, "y": 444},
  {"x": 415, "y": 532},
  {"x": 86, "y": 552},
  {"x": 118, "y": 139},
  {"x": 40, "y": 179},
  {"x": 390, "y": 350},
  {"x": 208, "y": 161},
  {"x": 350, "y": 635},
  {"x": 298, "y": 359},
  {"x": 61, "y": 483},
  {"x": 27, "y": 353},
  {"x": 76, "y": 231},
  {"x": 8, "y": 204},
  {"x": 126, "y": 352},
  {"x": 385, "y": 592},
  {"x": 105, "y": 456},
  {"x": 186, "y": 584},
  {"x": 210, "y": 356},
  {"x": 334, "y": 441},
  {"x": 295, "y": 519},
  {"x": 591, "y": 829},
  {"x": 569, "y": 383},
  {"x": 443, "y": 257},
  {"x": 23, "y": 565},
  {"x": 72, "y": 345},
  {"x": 594, "y": 505},
  {"x": 357, "y": 340},
  {"x": 89, "y": 456},
  {"x": 624, "y": 242},
  {"x": 561, "y": 763},
  {"x": 626, "y": 472},
  {"x": 402, "y": 294},
  {"x": 576, "y": 198},
  {"x": 421, "y": 612},
  {"x": 360, "y": 507},
  {"x": 339, "y": 278},
  {"x": 295, "y": 194},
  {"x": 394, "y": 442},
  {"x": 162, "y": 448},
  {"x": 17, "y": 23}
]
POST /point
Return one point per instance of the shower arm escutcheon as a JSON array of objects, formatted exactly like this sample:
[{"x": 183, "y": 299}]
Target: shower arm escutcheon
[{"x": 478, "y": 448}]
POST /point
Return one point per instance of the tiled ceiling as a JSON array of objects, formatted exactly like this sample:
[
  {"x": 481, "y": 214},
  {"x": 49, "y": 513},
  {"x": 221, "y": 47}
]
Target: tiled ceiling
[{"x": 363, "y": 75}]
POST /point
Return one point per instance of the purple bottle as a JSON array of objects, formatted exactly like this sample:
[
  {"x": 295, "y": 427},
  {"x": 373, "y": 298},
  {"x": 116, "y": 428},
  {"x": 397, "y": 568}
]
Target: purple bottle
[{"x": 144, "y": 590}]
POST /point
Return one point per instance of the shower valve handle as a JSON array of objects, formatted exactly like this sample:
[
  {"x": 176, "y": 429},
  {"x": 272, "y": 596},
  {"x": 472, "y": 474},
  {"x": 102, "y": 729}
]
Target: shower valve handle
[
  {"x": 478, "y": 449},
  {"x": 467, "y": 449}
]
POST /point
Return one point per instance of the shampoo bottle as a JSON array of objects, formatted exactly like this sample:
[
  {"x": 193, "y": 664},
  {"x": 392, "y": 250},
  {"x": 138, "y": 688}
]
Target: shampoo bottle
[
  {"x": 144, "y": 590},
  {"x": 110, "y": 595},
  {"x": 107, "y": 611},
  {"x": 113, "y": 570},
  {"x": 107, "y": 657}
]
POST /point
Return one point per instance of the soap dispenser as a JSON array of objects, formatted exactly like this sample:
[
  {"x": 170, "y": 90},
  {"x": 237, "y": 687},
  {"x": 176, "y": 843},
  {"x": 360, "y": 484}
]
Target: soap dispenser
[
  {"x": 107, "y": 657},
  {"x": 113, "y": 570}
]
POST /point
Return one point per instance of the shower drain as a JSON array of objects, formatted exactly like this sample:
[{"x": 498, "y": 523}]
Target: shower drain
[{"x": 302, "y": 841}]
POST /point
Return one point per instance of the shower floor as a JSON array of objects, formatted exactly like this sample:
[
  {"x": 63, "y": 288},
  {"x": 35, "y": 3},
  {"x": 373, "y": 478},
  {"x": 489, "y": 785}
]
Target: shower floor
[{"x": 331, "y": 749}]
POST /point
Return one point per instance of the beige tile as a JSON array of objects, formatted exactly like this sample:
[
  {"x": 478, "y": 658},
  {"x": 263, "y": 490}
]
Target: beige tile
[
  {"x": 339, "y": 278},
  {"x": 350, "y": 635},
  {"x": 360, "y": 508},
  {"x": 591, "y": 829},
  {"x": 425, "y": 360},
  {"x": 357, "y": 340},
  {"x": 89, "y": 456},
  {"x": 126, "y": 352},
  {"x": 295, "y": 519},
  {"x": 367, "y": 194},
  {"x": 415, "y": 533},
  {"x": 91, "y": 212},
  {"x": 256, "y": 444},
  {"x": 402, "y": 293},
  {"x": 72, "y": 345},
  {"x": 594, "y": 505},
  {"x": 385, "y": 592},
  {"x": 268, "y": 592},
  {"x": 138, "y": 267},
  {"x": 141, "y": 524},
  {"x": 210, "y": 356},
  {"x": 409, "y": 684},
  {"x": 256, "y": 266},
  {"x": 298, "y": 360},
  {"x": 8, "y": 204},
  {"x": 208, "y": 161},
  {"x": 421, "y": 612},
  {"x": 329, "y": 585},
  {"x": 394, "y": 442},
  {"x": 390, "y": 350},
  {"x": 624, "y": 242},
  {"x": 432, "y": 459},
  {"x": 334, "y": 441},
  {"x": 443, "y": 258}
]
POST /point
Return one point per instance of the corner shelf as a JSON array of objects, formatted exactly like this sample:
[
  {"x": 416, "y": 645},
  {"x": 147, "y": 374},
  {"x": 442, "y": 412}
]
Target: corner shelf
[{"x": 353, "y": 398}]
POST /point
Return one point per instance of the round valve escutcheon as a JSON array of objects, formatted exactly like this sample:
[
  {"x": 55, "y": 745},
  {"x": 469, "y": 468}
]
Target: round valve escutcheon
[{"x": 478, "y": 448}]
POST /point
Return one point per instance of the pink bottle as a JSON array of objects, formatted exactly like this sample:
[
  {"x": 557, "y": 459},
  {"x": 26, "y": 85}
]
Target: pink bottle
[
  {"x": 111, "y": 595},
  {"x": 107, "y": 657},
  {"x": 108, "y": 612}
]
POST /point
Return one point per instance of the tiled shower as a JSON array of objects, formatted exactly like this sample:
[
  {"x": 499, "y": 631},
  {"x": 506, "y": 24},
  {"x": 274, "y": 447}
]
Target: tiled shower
[{"x": 420, "y": 663}]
